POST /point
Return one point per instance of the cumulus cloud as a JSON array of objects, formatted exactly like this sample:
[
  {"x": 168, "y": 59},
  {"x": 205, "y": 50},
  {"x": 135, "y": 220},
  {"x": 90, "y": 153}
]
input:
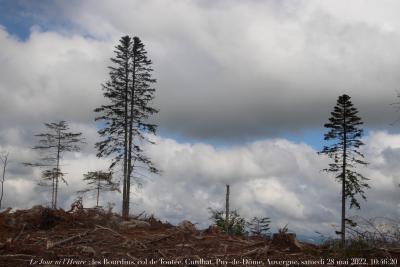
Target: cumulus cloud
[
  {"x": 275, "y": 178},
  {"x": 50, "y": 77}
]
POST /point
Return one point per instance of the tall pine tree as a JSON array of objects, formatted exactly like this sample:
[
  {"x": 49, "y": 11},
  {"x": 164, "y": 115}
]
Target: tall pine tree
[
  {"x": 114, "y": 115},
  {"x": 52, "y": 145},
  {"x": 345, "y": 140},
  {"x": 124, "y": 119}
]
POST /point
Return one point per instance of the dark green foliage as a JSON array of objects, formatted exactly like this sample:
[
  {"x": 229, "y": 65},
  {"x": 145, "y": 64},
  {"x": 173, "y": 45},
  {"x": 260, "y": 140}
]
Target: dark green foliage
[
  {"x": 344, "y": 129},
  {"x": 123, "y": 119},
  {"x": 259, "y": 226},
  {"x": 112, "y": 115},
  {"x": 236, "y": 224},
  {"x": 99, "y": 181},
  {"x": 345, "y": 137},
  {"x": 52, "y": 145}
]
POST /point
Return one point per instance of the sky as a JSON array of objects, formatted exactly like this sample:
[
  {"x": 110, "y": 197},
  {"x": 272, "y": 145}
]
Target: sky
[{"x": 243, "y": 88}]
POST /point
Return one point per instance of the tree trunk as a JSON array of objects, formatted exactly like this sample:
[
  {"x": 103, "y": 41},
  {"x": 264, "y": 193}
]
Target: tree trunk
[
  {"x": 3, "y": 177},
  {"x": 53, "y": 190},
  {"x": 227, "y": 209},
  {"x": 98, "y": 192},
  {"x": 343, "y": 228},
  {"x": 132, "y": 102},
  {"x": 125, "y": 211},
  {"x": 58, "y": 168}
]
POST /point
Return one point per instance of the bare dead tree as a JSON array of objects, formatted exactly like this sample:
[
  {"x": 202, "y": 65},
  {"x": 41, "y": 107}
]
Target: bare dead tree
[
  {"x": 4, "y": 159},
  {"x": 227, "y": 207}
]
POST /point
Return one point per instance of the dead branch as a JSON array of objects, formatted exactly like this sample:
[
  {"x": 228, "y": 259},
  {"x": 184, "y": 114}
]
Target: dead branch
[
  {"x": 130, "y": 256},
  {"x": 17, "y": 255},
  {"x": 251, "y": 252},
  {"x": 111, "y": 230},
  {"x": 141, "y": 244},
  {"x": 120, "y": 235},
  {"x": 20, "y": 233},
  {"x": 256, "y": 244},
  {"x": 161, "y": 253},
  {"x": 159, "y": 239},
  {"x": 51, "y": 244},
  {"x": 138, "y": 216},
  {"x": 184, "y": 245}
]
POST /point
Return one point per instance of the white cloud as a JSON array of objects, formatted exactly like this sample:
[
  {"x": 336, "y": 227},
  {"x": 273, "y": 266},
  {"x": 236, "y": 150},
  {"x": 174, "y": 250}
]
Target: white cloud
[
  {"x": 50, "y": 77},
  {"x": 275, "y": 178},
  {"x": 271, "y": 193}
]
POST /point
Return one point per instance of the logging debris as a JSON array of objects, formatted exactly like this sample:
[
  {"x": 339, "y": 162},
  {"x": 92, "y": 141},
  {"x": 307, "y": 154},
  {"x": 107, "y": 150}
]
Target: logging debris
[{"x": 85, "y": 234}]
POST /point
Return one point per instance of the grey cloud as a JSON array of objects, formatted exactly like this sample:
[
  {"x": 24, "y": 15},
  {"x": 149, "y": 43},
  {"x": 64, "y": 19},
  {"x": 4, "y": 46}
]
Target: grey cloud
[
  {"x": 257, "y": 68},
  {"x": 275, "y": 178},
  {"x": 248, "y": 70}
]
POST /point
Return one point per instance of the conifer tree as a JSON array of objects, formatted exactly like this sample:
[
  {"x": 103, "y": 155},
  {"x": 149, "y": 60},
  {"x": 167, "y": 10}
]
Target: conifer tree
[
  {"x": 52, "y": 145},
  {"x": 124, "y": 119},
  {"x": 99, "y": 181},
  {"x": 259, "y": 226},
  {"x": 141, "y": 95},
  {"x": 235, "y": 225},
  {"x": 344, "y": 136},
  {"x": 114, "y": 115}
]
